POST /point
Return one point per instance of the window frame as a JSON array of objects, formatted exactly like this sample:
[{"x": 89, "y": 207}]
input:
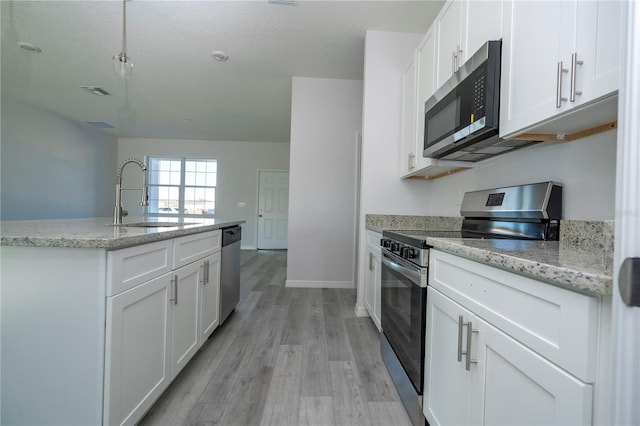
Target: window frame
[{"x": 181, "y": 187}]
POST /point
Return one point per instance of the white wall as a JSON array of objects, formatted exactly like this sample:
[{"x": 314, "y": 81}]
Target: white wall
[
  {"x": 386, "y": 54},
  {"x": 586, "y": 168},
  {"x": 53, "y": 167},
  {"x": 325, "y": 120},
  {"x": 238, "y": 165}
]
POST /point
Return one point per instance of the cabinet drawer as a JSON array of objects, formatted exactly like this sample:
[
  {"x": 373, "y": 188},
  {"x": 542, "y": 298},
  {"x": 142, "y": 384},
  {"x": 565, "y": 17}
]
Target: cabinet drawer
[
  {"x": 559, "y": 324},
  {"x": 197, "y": 246},
  {"x": 132, "y": 266}
]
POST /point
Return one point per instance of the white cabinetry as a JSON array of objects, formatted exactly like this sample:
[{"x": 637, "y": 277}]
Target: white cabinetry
[
  {"x": 157, "y": 320},
  {"x": 373, "y": 277},
  {"x": 462, "y": 27},
  {"x": 548, "y": 74},
  {"x": 505, "y": 349},
  {"x": 210, "y": 296},
  {"x": 139, "y": 357},
  {"x": 409, "y": 155},
  {"x": 448, "y": 28}
]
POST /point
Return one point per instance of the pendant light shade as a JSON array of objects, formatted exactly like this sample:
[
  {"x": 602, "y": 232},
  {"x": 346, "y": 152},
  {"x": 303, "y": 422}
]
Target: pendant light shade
[{"x": 122, "y": 64}]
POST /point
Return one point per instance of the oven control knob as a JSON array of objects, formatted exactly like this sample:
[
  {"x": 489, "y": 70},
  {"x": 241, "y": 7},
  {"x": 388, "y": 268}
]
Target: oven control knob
[
  {"x": 386, "y": 243},
  {"x": 395, "y": 247},
  {"x": 404, "y": 251},
  {"x": 410, "y": 253}
]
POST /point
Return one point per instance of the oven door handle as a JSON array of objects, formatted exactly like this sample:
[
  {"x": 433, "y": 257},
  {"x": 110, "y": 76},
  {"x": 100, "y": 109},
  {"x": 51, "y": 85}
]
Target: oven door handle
[{"x": 411, "y": 274}]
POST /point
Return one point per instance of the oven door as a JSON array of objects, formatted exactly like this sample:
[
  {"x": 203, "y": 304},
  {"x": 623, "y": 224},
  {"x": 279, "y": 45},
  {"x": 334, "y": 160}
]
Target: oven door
[{"x": 404, "y": 304}]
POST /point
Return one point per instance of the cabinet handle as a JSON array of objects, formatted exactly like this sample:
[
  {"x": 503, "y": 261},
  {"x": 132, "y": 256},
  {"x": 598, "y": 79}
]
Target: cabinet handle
[
  {"x": 468, "y": 355},
  {"x": 460, "y": 325},
  {"x": 559, "y": 97},
  {"x": 453, "y": 62},
  {"x": 458, "y": 58},
  {"x": 206, "y": 268},
  {"x": 370, "y": 261},
  {"x": 574, "y": 64},
  {"x": 174, "y": 282}
]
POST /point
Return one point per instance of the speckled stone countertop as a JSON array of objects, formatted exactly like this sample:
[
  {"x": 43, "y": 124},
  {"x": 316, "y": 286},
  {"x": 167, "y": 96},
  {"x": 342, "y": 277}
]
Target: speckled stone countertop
[
  {"x": 581, "y": 261},
  {"x": 100, "y": 232},
  {"x": 549, "y": 261}
]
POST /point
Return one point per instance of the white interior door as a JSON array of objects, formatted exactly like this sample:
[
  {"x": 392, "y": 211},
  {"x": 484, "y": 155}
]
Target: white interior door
[{"x": 273, "y": 209}]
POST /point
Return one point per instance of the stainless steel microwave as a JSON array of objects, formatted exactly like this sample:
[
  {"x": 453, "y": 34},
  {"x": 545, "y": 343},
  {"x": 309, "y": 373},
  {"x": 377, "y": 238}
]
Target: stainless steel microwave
[{"x": 461, "y": 118}]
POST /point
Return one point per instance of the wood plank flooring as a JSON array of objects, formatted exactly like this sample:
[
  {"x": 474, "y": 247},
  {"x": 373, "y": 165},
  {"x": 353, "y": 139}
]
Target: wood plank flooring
[{"x": 286, "y": 356}]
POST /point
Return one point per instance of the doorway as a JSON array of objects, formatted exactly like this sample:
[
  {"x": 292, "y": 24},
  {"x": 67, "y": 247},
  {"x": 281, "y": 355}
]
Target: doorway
[{"x": 273, "y": 209}]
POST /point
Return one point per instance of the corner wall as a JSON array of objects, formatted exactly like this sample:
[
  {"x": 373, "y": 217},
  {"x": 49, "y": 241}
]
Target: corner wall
[
  {"x": 326, "y": 118},
  {"x": 53, "y": 167}
]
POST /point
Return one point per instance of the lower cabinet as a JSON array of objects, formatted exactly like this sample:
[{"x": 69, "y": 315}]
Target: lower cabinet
[
  {"x": 373, "y": 277},
  {"x": 210, "y": 296},
  {"x": 138, "y": 366},
  {"x": 502, "y": 348},
  {"x": 154, "y": 329},
  {"x": 185, "y": 333},
  {"x": 476, "y": 374}
]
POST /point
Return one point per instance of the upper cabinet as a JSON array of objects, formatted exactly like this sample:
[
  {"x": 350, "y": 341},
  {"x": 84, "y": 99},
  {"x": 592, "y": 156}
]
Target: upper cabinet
[
  {"x": 462, "y": 27},
  {"x": 573, "y": 63},
  {"x": 448, "y": 26}
]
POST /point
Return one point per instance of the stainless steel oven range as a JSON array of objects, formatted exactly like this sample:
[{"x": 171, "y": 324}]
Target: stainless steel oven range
[{"x": 531, "y": 212}]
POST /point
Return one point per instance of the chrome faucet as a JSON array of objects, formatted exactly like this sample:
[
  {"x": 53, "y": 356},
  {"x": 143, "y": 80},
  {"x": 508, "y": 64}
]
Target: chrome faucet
[{"x": 144, "y": 200}]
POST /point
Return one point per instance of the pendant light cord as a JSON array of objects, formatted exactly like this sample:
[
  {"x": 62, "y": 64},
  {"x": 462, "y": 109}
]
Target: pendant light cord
[{"x": 124, "y": 29}]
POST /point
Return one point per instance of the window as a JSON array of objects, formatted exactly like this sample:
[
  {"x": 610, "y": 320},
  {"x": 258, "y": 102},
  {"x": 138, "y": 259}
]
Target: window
[{"x": 182, "y": 186}]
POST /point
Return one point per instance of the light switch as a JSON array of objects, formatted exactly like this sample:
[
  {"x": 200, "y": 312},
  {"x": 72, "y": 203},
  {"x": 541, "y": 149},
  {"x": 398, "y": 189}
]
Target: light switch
[{"x": 242, "y": 204}]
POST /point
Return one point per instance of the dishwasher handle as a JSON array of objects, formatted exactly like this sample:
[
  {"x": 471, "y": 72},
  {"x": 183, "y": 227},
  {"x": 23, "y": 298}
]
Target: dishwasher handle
[{"x": 231, "y": 235}]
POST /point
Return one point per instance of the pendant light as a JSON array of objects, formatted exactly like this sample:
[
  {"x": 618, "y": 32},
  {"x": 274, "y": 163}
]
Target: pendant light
[{"x": 122, "y": 64}]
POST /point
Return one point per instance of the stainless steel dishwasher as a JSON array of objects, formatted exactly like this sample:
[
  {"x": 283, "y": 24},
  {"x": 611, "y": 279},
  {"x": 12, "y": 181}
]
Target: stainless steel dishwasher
[{"x": 230, "y": 271}]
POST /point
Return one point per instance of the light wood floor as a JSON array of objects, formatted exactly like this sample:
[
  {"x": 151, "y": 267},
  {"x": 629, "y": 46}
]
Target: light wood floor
[{"x": 287, "y": 356}]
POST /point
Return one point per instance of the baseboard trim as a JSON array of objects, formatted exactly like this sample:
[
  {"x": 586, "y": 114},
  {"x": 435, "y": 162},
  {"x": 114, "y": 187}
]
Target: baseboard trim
[
  {"x": 319, "y": 284},
  {"x": 248, "y": 247},
  {"x": 361, "y": 311}
]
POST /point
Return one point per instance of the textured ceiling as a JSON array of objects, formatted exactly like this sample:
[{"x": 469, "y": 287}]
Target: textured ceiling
[{"x": 178, "y": 90}]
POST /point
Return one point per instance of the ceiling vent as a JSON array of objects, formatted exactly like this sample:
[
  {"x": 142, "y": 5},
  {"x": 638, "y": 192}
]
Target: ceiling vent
[
  {"x": 95, "y": 90},
  {"x": 100, "y": 124},
  {"x": 285, "y": 2}
]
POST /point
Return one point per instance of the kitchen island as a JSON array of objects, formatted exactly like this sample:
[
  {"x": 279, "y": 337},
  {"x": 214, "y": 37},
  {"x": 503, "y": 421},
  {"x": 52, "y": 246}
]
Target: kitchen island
[{"x": 98, "y": 319}]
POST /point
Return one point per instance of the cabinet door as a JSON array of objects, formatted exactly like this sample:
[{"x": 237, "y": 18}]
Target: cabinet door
[
  {"x": 598, "y": 33},
  {"x": 369, "y": 291},
  {"x": 185, "y": 321},
  {"x": 209, "y": 296},
  {"x": 448, "y": 386},
  {"x": 137, "y": 364},
  {"x": 530, "y": 56},
  {"x": 408, "y": 145},
  {"x": 377, "y": 289},
  {"x": 425, "y": 87},
  {"x": 448, "y": 27},
  {"x": 521, "y": 387},
  {"x": 483, "y": 23}
]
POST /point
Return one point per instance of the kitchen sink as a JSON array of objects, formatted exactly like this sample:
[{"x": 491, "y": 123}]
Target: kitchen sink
[{"x": 153, "y": 224}]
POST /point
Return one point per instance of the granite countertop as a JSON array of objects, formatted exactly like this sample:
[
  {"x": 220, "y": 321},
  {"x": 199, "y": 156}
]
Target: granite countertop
[
  {"x": 581, "y": 261},
  {"x": 100, "y": 232},
  {"x": 560, "y": 264}
]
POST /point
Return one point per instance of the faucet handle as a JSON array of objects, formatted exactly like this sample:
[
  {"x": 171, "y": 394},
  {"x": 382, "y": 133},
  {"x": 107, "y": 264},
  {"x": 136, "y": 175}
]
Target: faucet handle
[{"x": 125, "y": 213}]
